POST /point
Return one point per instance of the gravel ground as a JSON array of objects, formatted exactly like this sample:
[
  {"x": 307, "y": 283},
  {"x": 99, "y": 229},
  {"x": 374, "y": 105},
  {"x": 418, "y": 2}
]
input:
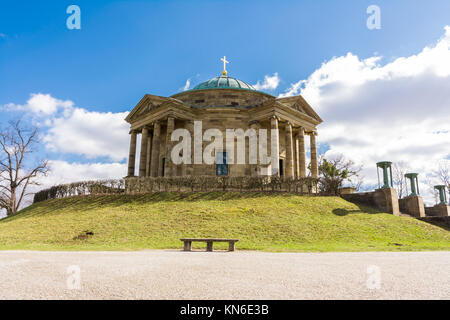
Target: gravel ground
[{"x": 170, "y": 274}]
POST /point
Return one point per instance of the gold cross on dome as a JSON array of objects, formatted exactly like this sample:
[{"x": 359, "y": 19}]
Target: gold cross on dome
[{"x": 224, "y": 59}]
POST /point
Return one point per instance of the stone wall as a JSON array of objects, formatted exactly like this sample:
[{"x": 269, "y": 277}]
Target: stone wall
[
  {"x": 412, "y": 205},
  {"x": 440, "y": 221},
  {"x": 138, "y": 185},
  {"x": 383, "y": 199},
  {"x": 440, "y": 210}
]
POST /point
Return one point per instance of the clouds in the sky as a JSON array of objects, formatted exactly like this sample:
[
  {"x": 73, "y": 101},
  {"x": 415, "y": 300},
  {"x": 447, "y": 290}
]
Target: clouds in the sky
[
  {"x": 187, "y": 85},
  {"x": 65, "y": 172},
  {"x": 88, "y": 133},
  {"x": 269, "y": 83},
  {"x": 41, "y": 105},
  {"x": 72, "y": 130},
  {"x": 396, "y": 111},
  {"x": 98, "y": 140}
]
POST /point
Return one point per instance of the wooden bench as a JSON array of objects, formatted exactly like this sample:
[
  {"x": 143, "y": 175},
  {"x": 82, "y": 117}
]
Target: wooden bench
[{"x": 209, "y": 243}]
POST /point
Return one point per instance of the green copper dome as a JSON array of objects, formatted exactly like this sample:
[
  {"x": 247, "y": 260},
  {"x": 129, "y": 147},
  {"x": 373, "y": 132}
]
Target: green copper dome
[{"x": 224, "y": 82}]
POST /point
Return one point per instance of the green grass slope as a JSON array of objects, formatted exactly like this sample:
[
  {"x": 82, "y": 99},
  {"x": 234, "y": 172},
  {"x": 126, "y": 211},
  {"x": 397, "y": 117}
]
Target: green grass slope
[{"x": 270, "y": 222}]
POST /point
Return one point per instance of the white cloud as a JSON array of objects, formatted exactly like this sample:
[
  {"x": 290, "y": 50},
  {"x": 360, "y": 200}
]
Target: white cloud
[
  {"x": 397, "y": 111},
  {"x": 62, "y": 172},
  {"x": 269, "y": 83},
  {"x": 65, "y": 172},
  {"x": 89, "y": 133},
  {"x": 187, "y": 85},
  {"x": 42, "y": 104},
  {"x": 69, "y": 129}
]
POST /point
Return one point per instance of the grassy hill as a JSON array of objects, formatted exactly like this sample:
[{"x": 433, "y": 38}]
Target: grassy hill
[{"x": 271, "y": 222}]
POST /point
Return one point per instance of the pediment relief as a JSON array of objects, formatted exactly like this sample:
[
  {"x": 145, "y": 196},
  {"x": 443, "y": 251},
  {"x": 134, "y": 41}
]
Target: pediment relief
[{"x": 300, "y": 104}]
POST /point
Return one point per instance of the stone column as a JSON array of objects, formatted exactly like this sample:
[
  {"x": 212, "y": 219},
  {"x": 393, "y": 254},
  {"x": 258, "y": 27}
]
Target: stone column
[
  {"x": 154, "y": 166},
  {"x": 254, "y": 168},
  {"x": 149, "y": 155},
  {"x": 169, "y": 170},
  {"x": 289, "y": 152},
  {"x": 301, "y": 153},
  {"x": 190, "y": 167},
  {"x": 143, "y": 158},
  {"x": 314, "y": 167},
  {"x": 296, "y": 167},
  {"x": 274, "y": 147},
  {"x": 132, "y": 154}
]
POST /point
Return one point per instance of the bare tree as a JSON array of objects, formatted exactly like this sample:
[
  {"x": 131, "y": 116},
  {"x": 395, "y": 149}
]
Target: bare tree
[
  {"x": 430, "y": 182},
  {"x": 18, "y": 169},
  {"x": 398, "y": 177}
]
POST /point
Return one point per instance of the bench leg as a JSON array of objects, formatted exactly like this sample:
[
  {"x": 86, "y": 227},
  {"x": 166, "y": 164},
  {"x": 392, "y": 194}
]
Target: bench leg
[
  {"x": 209, "y": 246},
  {"x": 187, "y": 245},
  {"x": 231, "y": 246}
]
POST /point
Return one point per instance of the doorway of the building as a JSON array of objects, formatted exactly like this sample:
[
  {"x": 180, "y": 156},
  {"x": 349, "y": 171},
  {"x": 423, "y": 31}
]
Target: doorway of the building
[
  {"x": 221, "y": 164},
  {"x": 281, "y": 167}
]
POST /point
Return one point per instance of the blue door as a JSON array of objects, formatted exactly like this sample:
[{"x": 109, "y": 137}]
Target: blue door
[{"x": 221, "y": 164}]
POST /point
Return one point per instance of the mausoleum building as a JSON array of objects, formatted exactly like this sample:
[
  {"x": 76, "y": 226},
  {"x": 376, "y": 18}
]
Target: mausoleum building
[{"x": 222, "y": 103}]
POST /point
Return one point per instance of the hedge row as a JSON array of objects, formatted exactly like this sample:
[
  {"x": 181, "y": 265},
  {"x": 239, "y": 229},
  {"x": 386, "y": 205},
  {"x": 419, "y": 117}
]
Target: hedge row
[{"x": 182, "y": 184}]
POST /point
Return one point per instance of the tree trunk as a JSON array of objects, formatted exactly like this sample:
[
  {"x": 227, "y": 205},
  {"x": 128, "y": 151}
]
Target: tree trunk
[{"x": 12, "y": 203}]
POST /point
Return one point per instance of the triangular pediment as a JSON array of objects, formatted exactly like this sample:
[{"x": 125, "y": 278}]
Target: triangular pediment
[
  {"x": 149, "y": 103},
  {"x": 300, "y": 104}
]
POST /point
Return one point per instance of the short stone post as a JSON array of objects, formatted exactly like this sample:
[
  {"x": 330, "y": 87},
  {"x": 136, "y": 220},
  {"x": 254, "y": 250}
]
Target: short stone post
[{"x": 187, "y": 245}]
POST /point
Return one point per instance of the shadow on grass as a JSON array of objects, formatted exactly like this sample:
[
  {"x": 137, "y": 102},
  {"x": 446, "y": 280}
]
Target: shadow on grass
[
  {"x": 438, "y": 223},
  {"x": 361, "y": 209}
]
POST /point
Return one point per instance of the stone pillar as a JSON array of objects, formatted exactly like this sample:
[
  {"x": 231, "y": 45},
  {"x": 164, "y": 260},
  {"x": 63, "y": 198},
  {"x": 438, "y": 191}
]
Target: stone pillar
[
  {"x": 289, "y": 152},
  {"x": 314, "y": 166},
  {"x": 296, "y": 165},
  {"x": 274, "y": 147},
  {"x": 149, "y": 155},
  {"x": 412, "y": 205},
  {"x": 301, "y": 153},
  {"x": 190, "y": 167},
  {"x": 255, "y": 168},
  {"x": 154, "y": 166},
  {"x": 132, "y": 154},
  {"x": 143, "y": 158},
  {"x": 169, "y": 170}
]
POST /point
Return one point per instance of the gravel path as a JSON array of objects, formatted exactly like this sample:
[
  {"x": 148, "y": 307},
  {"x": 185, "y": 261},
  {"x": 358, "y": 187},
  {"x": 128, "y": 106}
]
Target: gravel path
[{"x": 169, "y": 274}]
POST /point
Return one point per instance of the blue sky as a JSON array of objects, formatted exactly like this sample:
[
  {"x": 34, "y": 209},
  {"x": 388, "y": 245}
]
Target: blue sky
[
  {"x": 375, "y": 101},
  {"x": 128, "y": 48}
]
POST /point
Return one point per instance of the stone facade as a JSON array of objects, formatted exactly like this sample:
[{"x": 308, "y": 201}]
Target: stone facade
[
  {"x": 155, "y": 118},
  {"x": 385, "y": 199},
  {"x": 412, "y": 205},
  {"x": 439, "y": 210}
]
